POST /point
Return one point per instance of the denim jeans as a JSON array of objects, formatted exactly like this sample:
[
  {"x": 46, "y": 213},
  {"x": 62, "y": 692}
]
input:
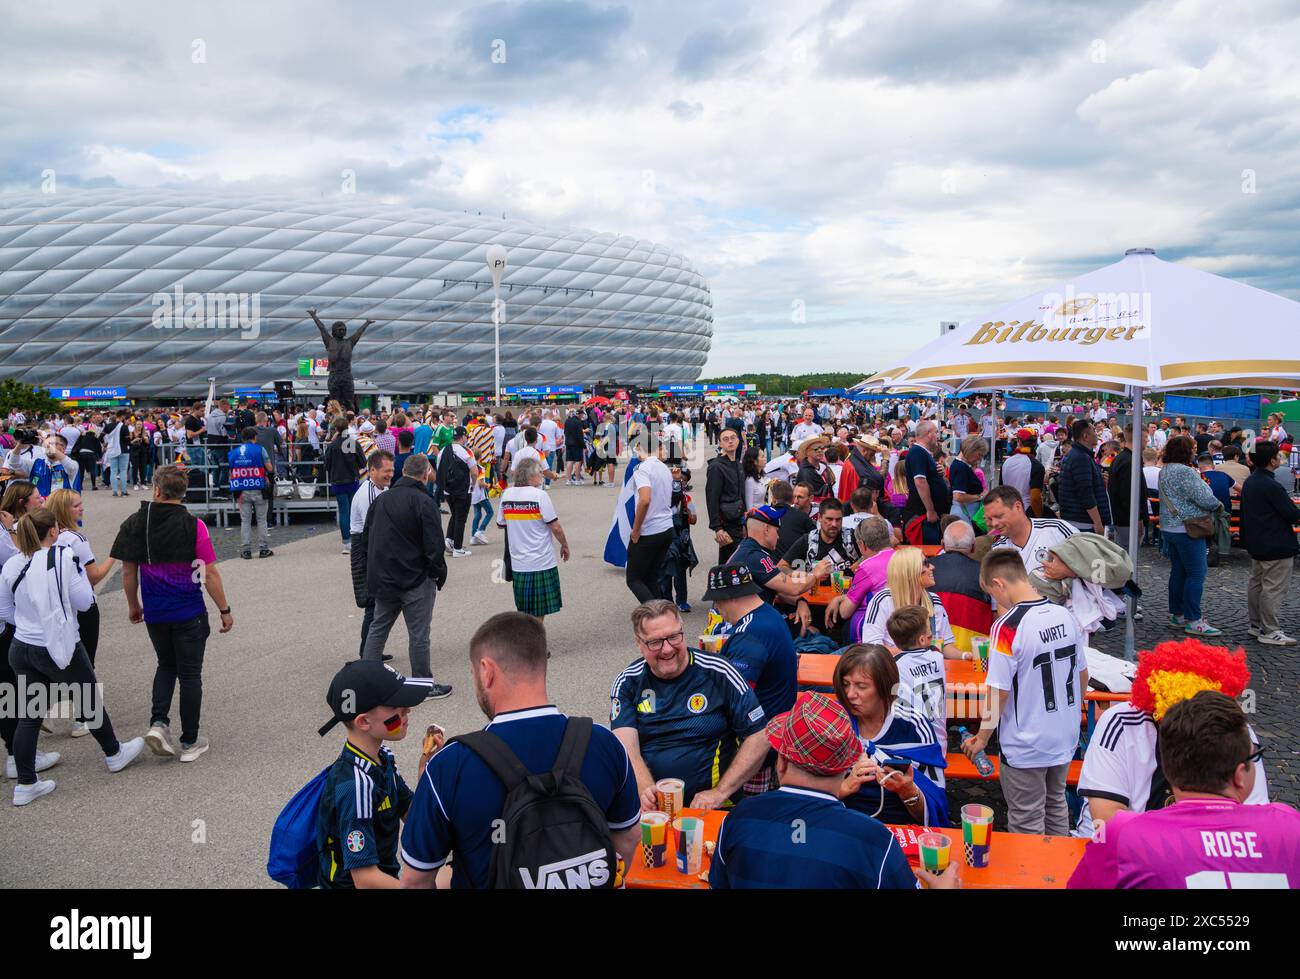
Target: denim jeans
[
  {"x": 344, "y": 500},
  {"x": 179, "y": 647},
  {"x": 1187, "y": 563},
  {"x": 117, "y": 472},
  {"x": 34, "y": 665},
  {"x": 674, "y": 576},
  {"x": 482, "y": 516}
]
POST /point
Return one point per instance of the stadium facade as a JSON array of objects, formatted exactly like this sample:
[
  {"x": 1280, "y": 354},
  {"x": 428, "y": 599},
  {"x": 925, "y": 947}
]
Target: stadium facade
[{"x": 157, "y": 291}]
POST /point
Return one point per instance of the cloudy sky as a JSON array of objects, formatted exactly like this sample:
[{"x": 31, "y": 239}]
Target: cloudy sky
[{"x": 845, "y": 174}]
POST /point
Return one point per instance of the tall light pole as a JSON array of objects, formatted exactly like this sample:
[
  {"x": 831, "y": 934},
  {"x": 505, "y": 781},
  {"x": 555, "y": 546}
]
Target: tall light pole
[{"x": 496, "y": 263}]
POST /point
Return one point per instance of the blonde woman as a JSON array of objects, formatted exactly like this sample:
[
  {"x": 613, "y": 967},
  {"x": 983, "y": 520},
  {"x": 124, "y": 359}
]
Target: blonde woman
[
  {"x": 909, "y": 578},
  {"x": 68, "y": 510},
  {"x": 896, "y": 487},
  {"x": 46, "y": 652}
]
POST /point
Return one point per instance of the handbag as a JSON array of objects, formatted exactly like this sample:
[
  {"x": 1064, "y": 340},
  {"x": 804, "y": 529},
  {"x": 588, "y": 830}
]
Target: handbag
[{"x": 1196, "y": 527}]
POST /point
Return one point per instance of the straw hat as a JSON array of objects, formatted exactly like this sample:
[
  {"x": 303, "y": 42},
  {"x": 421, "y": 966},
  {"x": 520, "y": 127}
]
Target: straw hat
[{"x": 810, "y": 445}]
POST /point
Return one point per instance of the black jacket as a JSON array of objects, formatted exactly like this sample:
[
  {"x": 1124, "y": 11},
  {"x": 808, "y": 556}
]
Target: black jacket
[
  {"x": 1268, "y": 519},
  {"x": 821, "y": 484},
  {"x": 1117, "y": 487},
  {"x": 159, "y": 533},
  {"x": 1081, "y": 487},
  {"x": 453, "y": 474},
  {"x": 87, "y": 441},
  {"x": 344, "y": 462},
  {"x": 724, "y": 492},
  {"x": 404, "y": 540}
]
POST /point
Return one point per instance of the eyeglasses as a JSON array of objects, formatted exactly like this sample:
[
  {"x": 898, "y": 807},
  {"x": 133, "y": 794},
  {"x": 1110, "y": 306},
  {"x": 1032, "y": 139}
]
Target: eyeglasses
[
  {"x": 654, "y": 645},
  {"x": 1256, "y": 758}
]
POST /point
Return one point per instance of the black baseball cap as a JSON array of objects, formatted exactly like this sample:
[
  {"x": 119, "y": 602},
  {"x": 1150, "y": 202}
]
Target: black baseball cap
[
  {"x": 365, "y": 684},
  {"x": 731, "y": 581}
]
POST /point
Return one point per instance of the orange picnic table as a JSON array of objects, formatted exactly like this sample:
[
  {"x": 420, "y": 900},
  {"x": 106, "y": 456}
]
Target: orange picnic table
[
  {"x": 965, "y": 686},
  {"x": 822, "y": 594},
  {"x": 1017, "y": 861},
  {"x": 818, "y": 670}
]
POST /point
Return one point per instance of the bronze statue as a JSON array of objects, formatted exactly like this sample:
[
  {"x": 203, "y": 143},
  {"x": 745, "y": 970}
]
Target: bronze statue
[{"x": 338, "y": 347}]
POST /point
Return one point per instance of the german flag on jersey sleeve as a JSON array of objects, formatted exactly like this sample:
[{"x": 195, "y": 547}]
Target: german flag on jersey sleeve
[{"x": 1004, "y": 637}]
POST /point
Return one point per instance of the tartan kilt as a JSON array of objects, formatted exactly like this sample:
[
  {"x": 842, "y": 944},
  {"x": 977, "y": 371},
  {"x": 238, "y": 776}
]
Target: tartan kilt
[{"x": 537, "y": 592}]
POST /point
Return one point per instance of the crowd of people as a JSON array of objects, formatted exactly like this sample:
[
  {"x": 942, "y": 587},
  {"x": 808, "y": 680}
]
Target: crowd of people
[{"x": 796, "y": 495}]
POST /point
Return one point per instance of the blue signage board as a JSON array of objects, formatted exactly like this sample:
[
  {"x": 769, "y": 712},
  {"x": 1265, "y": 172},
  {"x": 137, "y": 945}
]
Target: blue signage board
[
  {"x": 542, "y": 390},
  {"x": 84, "y": 394},
  {"x": 702, "y": 388}
]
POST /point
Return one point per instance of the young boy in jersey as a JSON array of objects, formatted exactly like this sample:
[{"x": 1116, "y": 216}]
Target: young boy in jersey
[
  {"x": 921, "y": 679},
  {"x": 365, "y": 799},
  {"x": 1036, "y": 680},
  {"x": 1208, "y": 838}
]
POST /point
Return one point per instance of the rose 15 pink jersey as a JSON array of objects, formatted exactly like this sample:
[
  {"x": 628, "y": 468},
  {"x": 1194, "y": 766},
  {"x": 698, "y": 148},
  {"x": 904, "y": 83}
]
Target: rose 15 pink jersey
[{"x": 1195, "y": 844}]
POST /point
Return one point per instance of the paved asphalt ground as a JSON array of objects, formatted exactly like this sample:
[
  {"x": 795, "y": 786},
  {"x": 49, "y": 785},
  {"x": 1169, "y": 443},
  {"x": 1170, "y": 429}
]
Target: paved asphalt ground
[{"x": 163, "y": 824}]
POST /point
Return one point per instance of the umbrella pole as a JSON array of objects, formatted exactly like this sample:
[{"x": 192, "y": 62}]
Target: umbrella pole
[
  {"x": 993, "y": 447},
  {"x": 1135, "y": 484}
]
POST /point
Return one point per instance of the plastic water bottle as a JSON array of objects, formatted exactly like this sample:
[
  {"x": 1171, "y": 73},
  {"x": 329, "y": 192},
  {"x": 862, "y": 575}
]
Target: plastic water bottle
[{"x": 981, "y": 760}]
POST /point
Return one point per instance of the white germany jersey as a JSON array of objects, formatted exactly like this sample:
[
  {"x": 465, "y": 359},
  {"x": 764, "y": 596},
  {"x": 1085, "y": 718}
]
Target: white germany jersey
[
  {"x": 1036, "y": 652},
  {"x": 1121, "y": 765},
  {"x": 1043, "y": 533},
  {"x": 923, "y": 687},
  {"x": 881, "y": 607}
]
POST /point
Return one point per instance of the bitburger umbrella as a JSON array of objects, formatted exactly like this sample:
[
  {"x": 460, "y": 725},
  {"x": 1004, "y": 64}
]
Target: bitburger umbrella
[{"x": 1138, "y": 325}]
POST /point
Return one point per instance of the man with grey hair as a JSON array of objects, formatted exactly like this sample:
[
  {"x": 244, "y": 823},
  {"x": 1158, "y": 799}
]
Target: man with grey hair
[
  {"x": 957, "y": 580},
  {"x": 405, "y": 566}
]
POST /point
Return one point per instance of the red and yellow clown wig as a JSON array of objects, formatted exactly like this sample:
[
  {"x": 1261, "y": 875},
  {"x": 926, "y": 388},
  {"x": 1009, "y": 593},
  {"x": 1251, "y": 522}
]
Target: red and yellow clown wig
[{"x": 1176, "y": 671}]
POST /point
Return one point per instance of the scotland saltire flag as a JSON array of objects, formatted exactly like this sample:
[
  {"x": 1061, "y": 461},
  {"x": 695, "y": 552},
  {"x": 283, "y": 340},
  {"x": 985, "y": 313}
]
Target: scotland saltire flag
[{"x": 624, "y": 513}]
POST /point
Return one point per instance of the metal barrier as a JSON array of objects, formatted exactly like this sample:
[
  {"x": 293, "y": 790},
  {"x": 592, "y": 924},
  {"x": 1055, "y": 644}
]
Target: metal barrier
[{"x": 300, "y": 483}]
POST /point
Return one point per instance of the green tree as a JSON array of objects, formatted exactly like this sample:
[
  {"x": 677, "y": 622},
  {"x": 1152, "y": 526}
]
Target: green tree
[{"x": 27, "y": 399}]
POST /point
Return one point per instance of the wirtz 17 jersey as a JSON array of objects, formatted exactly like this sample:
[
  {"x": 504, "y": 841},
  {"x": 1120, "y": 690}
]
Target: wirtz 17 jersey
[{"x": 1037, "y": 653}]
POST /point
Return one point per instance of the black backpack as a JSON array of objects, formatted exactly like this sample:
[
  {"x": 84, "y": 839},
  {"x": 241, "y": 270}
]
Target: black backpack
[{"x": 552, "y": 835}]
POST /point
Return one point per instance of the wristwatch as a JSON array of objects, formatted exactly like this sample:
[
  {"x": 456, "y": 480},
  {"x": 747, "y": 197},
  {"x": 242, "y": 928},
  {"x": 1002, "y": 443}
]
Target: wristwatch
[{"x": 224, "y": 611}]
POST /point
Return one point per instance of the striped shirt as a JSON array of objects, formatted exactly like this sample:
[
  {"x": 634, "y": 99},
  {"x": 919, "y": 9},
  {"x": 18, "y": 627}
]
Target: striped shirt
[{"x": 690, "y": 726}]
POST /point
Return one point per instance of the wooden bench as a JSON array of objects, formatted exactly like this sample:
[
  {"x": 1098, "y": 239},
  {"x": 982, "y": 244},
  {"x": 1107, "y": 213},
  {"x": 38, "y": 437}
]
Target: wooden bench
[{"x": 960, "y": 767}]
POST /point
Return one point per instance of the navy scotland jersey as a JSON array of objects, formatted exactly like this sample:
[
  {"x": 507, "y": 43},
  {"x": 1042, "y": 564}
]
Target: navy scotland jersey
[
  {"x": 458, "y": 799},
  {"x": 802, "y": 838},
  {"x": 761, "y": 563},
  {"x": 760, "y": 648},
  {"x": 359, "y": 819},
  {"x": 690, "y": 726}
]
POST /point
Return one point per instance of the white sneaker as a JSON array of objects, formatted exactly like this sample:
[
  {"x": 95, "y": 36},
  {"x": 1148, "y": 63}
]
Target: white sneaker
[
  {"x": 79, "y": 729},
  {"x": 1276, "y": 638},
  {"x": 193, "y": 751},
  {"x": 1253, "y": 632},
  {"x": 44, "y": 760},
  {"x": 347, "y": 548},
  {"x": 24, "y": 794},
  {"x": 461, "y": 552},
  {"x": 450, "y": 546},
  {"x": 480, "y": 539},
  {"x": 159, "y": 740},
  {"x": 127, "y": 752}
]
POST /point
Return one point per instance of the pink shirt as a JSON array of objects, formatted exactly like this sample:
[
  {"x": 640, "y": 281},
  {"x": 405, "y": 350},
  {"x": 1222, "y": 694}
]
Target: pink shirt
[
  {"x": 1198, "y": 843},
  {"x": 869, "y": 577}
]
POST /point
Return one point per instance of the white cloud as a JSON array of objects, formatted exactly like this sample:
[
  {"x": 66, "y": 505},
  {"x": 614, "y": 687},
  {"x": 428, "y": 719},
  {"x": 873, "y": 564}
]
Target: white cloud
[{"x": 802, "y": 158}]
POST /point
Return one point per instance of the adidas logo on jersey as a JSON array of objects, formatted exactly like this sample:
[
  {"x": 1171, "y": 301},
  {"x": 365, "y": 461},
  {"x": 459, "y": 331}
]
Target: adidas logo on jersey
[{"x": 577, "y": 873}]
